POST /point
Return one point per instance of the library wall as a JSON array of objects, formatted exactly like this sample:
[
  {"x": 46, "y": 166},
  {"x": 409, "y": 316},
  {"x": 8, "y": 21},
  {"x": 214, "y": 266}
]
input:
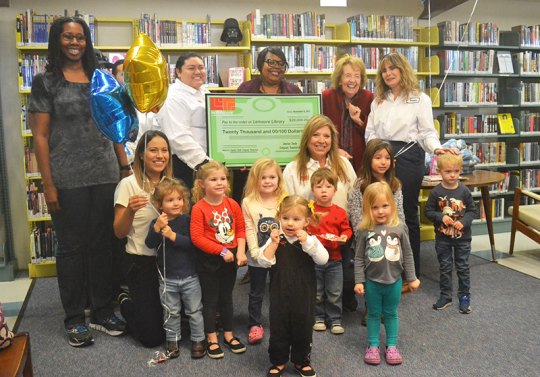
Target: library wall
[{"x": 506, "y": 13}]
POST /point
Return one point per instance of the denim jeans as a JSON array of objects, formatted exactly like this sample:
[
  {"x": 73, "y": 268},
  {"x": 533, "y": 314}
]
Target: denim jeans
[
  {"x": 83, "y": 261},
  {"x": 329, "y": 292},
  {"x": 174, "y": 292},
  {"x": 448, "y": 254},
  {"x": 382, "y": 299},
  {"x": 256, "y": 294}
]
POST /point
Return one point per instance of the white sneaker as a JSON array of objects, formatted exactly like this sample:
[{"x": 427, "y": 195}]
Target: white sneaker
[
  {"x": 319, "y": 326},
  {"x": 337, "y": 329}
]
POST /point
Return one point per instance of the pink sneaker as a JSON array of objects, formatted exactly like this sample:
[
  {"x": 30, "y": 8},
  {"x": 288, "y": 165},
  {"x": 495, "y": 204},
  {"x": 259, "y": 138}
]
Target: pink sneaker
[
  {"x": 393, "y": 356},
  {"x": 372, "y": 355},
  {"x": 256, "y": 334}
]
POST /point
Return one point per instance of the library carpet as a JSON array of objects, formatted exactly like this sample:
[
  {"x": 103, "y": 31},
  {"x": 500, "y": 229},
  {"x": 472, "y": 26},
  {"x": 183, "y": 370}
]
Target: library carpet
[{"x": 499, "y": 338}]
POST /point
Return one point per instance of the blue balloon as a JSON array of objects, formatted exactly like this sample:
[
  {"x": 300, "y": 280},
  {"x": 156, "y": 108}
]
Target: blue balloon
[{"x": 112, "y": 109}]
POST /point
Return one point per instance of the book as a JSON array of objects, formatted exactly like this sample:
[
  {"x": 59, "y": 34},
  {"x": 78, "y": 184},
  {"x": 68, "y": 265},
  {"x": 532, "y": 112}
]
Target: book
[
  {"x": 236, "y": 76},
  {"x": 504, "y": 58},
  {"x": 506, "y": 124}
]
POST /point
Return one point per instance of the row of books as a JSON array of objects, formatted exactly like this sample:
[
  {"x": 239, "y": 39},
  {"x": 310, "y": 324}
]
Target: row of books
[
  {"x": 37, "y": 207},
  {"x": 43, "y": 244},
  {"x": 30, "y": 162},
  {"x": 530, "y": 179},
  {"x": 479, "y": 33},
  {"x": 312, "y": 86},
  {"x": 456, "y": 124},
  {"x": 303, "y": 58},
  {"x": 171, "y": 33},
  {"x": 493, "y": 153},
  {"x": 530, "y": 122},
  {"x": 497, "y": 209},
  {"x": 511, "y": 179},
  {"x": 379, "y": 27},
  {"x": 371, "y": 56},
  {"x": 530, "y": 93},
  {"x": 307, "y": 25},
  {"x": 529, "y": 62},
  {"x": 530, "y": 152},
  {"x": 528, "y": 35},
  {"x": 464, "y": 61},
  {"x": 32, "y": 29},
  {"x": 470, "y": 93},
  {"x": 29, "y": 66}
]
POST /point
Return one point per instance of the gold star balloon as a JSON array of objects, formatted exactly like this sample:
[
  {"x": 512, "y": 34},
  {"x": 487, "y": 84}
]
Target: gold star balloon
[{"x": 146, "y": 75}]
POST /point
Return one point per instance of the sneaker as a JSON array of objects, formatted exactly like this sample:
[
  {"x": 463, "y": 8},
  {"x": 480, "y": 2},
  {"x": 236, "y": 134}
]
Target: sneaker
[
  {"x": 79, "y": 336},
  {"x": 393, "y": 356},
  {"x": 172, "y": 350},
  {"x": 337, "y": 329},
  {"x": 113, "y": 325},
  {"x": 442, "y": 303},
  {"x": 256, "y": 334},
  {"x": 122, "y": 296},
  {"x": 319, "y": 326},
  {"x": 372, "y": 356},
  {"x": 465, "y": 304}
]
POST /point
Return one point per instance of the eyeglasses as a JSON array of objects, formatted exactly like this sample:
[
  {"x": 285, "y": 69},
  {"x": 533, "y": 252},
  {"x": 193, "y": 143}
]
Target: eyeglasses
[
  {"x": 68, "y": 37},
  {"x": 275, "y": 63}
]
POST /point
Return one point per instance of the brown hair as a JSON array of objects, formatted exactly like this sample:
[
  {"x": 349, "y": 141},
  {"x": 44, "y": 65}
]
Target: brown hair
[
  {"x": 356, "y": 63},
  {"x": 168, "y": 186},
  {"x": 371, "y": 194},
  {"x": 324, "y": 174},
  {"x": 366, "y": 174},
  {"x": 409, "y": 81},
  {"x": 255, "y": 174},
  {"x": 138, "y": 161},
  {"x": 202, "y": 173}
]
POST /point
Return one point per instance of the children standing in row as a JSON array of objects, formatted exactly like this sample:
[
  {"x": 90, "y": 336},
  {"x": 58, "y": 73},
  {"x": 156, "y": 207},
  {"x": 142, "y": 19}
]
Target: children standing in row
[
  {"x": 217, "y": 230},
  {"x": 450, "y": 207},
  {"x": 264, "y": 188},
  {"x": 383, "y": 252},
  {"x": 333, "y": 231},
  {"x": 179, "y": 282},
  {"x": 292, "y": 256}
]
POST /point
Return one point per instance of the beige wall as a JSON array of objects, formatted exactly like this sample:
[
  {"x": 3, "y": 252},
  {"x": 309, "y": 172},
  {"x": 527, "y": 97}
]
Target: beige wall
[{"x": 506, "y": 12}]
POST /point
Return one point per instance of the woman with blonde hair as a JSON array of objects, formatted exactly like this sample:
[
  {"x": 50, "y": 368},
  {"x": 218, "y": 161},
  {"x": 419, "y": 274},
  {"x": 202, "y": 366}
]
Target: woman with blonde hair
[
  {"x": 318, "y": 149},
  {"x": 348, "y": 104}
]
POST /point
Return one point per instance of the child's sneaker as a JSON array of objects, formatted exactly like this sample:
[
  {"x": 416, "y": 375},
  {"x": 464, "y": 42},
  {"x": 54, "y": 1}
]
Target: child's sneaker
[
  {"x": 79, "y": 336},
  {"x": 172, "y": 351},
  {"x": 337, "y": 329},
  {"x": 393, "y": 356},
  {"x": 442, "y": 303},
  {"x": 465, "y": 304},
  {"x": 112, "y": 325},
  {"x": 372, "y": 355},
  {"x": 319, "y": 326},
  {"x": 256, "y": 334}
]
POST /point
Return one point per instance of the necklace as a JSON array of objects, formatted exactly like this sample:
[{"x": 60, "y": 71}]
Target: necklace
[{"x": 272, "y": 91}]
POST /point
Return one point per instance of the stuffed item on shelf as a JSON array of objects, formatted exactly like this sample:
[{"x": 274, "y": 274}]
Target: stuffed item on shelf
[
  {"x": 469, "y": 160},
  {"x": 231, "y": 32}
]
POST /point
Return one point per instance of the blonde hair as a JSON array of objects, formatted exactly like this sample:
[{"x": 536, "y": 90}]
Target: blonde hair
[
  {"x": 324, "y": 174},
  {"x": 138, "y": 161},
  {"x": 373, "y": 192},
  {"x": 202, "y": 173},
  {"x": 168, "y": 186},
  {"x": 409, "y": 81},
  {"x": 314, "y": 124},
  {"x": 449, "y": 159},
  {"x": 296, "y": 201},
  {"x": 255, "y": 174},
  {"x": 356, "y": 63}
]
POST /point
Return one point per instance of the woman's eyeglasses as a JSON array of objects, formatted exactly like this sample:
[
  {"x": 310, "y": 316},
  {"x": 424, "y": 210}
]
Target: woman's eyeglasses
[
  {"x": 275, "y": 63},
  {"x": 68, "y": 37}
]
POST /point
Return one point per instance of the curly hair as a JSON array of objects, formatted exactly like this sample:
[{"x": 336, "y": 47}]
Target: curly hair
[
  {"x": 356, "y": 63},
  {"x": 168, "y": 186},
  {"x": 56, "y": 59}
]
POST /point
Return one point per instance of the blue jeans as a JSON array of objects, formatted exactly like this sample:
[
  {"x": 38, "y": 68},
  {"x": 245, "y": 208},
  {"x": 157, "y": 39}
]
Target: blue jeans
[
  {"x": 174, "y": 292},
  {"x": 448, "y": 254},
  {"x": 256, "y": 294},
  {"x": 329, "y": 292},
  {"x": 382, "y": 299}
]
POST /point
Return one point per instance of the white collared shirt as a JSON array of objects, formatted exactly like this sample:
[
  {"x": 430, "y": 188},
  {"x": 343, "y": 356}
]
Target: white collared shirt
[
  {"x": 183, "y": 119},
  {"x": 403, "y": 119}
]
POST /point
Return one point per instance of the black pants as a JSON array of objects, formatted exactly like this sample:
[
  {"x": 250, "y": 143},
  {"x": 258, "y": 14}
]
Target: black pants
[
  {"x": 410, "y": 171},
  {"x": 217, "y": 293},
  {"x": 143, "y": 313},
  {"x": 349, "y": 298},
  {"x": 83, "y": 261},
  {"x": 183, "y": 172}
]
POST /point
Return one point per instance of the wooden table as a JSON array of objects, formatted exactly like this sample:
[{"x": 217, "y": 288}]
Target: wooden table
[{"x": 482, "y": 179}]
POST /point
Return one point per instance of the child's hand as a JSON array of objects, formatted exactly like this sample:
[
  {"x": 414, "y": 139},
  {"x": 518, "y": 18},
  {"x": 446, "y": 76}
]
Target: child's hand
[
  {"x": 136, "y": 202},
  {"x": 414, "y": 285},
  {"x": 342, "y": 239},
  {"x": 241, "y": 259},
  {"x": 447, "y": 220},
  {"x": 359, "y": 289},
  {"x": 274, "y": 235},
  {"x": 458, "y": 225},
  {"x": 228, "y": 257},
  {"x": 168, "y": 233},
  {"x": 301, "y": 235},
  {"x": 161, "y": 222}
]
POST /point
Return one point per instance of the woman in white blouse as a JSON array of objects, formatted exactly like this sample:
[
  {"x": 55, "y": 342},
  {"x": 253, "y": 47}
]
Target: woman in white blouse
[
  {"x": 401, "y": 114},
  {"x": 318, "y": 149}
]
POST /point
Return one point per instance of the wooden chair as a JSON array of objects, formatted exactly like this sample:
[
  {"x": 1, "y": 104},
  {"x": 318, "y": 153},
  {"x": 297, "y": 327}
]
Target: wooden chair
[
  {"x": 16, "y": 360},
  {"x": 525, "y": 218}
]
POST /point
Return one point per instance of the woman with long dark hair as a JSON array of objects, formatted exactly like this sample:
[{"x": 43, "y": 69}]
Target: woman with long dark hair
[{"x": 79, "y": 169}]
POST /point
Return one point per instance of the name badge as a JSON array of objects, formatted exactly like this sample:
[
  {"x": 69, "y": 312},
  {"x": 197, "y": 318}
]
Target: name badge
[{"x": 413, "y": 100}]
